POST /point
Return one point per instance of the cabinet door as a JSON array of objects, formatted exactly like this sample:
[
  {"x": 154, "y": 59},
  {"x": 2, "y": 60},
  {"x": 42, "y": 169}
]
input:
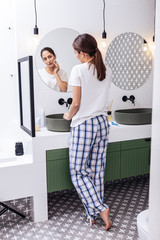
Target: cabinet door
[
  {"x": 58, "y": 174},
  {"x": 135, "y": 162},
  {"x": 112, "y": 170}
]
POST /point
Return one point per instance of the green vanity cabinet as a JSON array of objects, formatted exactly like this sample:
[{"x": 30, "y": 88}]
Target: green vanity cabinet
[
  {"x": 135, "y": 157},
  {"x": 58, "y": 175},
  {"x": 124, "y": 159},
  {"x": 113, "y": 163}
]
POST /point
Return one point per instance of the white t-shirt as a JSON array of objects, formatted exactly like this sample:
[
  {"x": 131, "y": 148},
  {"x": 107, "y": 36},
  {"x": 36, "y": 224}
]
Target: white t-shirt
[
  {"x": 94, "y": 93},
  {"x": 50, "y": 79}
]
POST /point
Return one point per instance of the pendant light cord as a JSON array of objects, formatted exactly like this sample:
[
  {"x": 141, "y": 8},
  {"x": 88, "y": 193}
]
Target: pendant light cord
[
  {"x": 35, "y": 13},
  {"x": 104, "y": 15},
  {"x": 154, "y": 17},
  {"x": 35, "y": 30},
  {"x": 104, "y": 35}
]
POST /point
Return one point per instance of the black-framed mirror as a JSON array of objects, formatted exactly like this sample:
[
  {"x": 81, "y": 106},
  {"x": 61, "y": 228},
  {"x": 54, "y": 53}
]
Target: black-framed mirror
[{"x": 26, "y": 95}]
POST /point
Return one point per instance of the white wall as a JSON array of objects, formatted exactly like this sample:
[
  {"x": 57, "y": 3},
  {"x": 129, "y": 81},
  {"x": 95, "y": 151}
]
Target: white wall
[
  {"x": 154, "y": 199},
  {"x": 84, "y": 16},
  {"x": 9, "y": 101},
  {"x": 7, "y": 49}
]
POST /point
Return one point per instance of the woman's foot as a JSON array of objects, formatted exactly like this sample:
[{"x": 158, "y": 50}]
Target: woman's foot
[
  {"x": 91, "y": 221},
  {"x": 108, "y": 226},
  {"x": 105, "y": 216}
]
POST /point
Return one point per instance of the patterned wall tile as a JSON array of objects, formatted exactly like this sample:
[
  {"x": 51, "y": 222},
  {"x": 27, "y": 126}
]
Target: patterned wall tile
[{"x": 130, "y": 64}]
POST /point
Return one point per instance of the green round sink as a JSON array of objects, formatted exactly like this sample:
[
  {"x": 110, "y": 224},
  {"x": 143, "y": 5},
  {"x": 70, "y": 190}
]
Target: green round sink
[
  {"x": 56, "y": 123},
  {"x": 135, "y": 116}
]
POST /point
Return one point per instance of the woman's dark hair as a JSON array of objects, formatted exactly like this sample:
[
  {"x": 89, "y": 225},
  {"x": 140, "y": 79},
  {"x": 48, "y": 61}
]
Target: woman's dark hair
[
  {"x": 47, "y": 49},
  {"x": 88, "y": 44}
]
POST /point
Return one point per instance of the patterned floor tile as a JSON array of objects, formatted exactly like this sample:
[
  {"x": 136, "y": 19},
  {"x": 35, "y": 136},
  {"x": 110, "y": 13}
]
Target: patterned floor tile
[{"x": 67, "y": 220}]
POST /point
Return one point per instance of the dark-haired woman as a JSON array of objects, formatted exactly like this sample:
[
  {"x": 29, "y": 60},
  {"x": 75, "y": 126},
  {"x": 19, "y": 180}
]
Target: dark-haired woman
[
  {"x": 52, "y": 75},
  {"x": 91, "y": 81}
]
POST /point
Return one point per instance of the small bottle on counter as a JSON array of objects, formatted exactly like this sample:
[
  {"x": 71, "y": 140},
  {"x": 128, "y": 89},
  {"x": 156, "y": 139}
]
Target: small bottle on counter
[
  {"x": 37, "y": 126},
  {"x": 109, "y": 116},
  {"x": 42, "y": 118}
]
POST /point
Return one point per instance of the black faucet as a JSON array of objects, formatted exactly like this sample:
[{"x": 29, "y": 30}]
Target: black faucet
[
  {"x": 61, "y": 101},
  {"x": 131, "y": 98}
]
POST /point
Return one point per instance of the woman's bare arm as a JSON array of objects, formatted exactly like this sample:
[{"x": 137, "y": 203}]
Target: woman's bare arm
[{"x": 75, "y": 103}]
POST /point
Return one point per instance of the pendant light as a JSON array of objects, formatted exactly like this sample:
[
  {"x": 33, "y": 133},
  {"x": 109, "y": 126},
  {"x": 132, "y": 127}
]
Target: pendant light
[
  {"x": 145, "y": 45},
  {"x": 35, "y": 28},
  {"x": 104, "y": 34}
]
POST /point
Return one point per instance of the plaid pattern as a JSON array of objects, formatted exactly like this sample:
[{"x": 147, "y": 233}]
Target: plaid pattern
[{"x": 88, "y": 145}]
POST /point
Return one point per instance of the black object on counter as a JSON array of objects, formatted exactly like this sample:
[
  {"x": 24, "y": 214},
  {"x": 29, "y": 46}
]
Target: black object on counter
[{"x": 19, "y": 148}]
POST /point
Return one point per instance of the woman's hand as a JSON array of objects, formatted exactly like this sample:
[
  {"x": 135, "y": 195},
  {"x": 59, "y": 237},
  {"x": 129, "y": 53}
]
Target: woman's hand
[
  {"x": 75, "y": 103},
  {"x": 61, "y": 84},
  {"x": 66, "y": 116},
  {"x": 56, "y": 69}
]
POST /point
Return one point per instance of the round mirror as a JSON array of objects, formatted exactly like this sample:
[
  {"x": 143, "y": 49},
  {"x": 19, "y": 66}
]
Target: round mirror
[
  {"x": 60, "y": 41},
  {"x": 130, "y": 59}
]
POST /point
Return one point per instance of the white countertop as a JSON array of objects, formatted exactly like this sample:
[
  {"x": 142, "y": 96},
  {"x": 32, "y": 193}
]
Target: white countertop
[
  {"x": 117, "y": 134},
  {"x": 10, "y": 161},
  {"x": 8, "y": 157},
  {"x": 48, "y": 140},
  {"x": 129, "y": 132}
]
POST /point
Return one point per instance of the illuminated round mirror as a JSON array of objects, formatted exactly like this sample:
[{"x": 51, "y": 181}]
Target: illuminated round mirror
[
  {"x": 60, "y": 41},
  {"x": 130, "y": 59}
]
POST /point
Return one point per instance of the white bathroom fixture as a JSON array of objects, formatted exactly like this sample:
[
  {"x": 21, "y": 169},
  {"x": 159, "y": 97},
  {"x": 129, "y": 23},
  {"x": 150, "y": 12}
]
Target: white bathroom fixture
[{"x": 142, "y": 225}]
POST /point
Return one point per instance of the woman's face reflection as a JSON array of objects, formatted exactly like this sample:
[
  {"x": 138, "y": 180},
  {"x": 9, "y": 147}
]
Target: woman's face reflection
[{"x": 48, "y": 58}]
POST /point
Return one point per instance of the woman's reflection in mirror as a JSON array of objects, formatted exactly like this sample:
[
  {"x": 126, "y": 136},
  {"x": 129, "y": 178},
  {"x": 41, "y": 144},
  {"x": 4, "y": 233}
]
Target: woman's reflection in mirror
[{"x": 52, "y": 74}]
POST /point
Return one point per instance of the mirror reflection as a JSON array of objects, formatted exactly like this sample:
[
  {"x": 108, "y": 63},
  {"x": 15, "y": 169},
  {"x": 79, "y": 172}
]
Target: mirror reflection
[
  {"x": 55, "y": 58},
  {"x": 130, "y": 60},
  {"x": 52, "y": 74}
]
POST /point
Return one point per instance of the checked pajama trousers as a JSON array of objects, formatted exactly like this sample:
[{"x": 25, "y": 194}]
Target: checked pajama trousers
[{"x": 88, "y": 145}]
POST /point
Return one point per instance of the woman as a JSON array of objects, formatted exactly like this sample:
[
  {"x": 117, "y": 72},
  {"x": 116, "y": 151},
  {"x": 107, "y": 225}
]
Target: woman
[
  {"x": 52, "y": 75},
  {"x": 88, "y": 144}
]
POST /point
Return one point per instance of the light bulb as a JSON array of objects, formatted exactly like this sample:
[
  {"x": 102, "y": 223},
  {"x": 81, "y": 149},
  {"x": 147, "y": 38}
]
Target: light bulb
[
  {"x": 36, "y": 39},
  {"x": 153, "y": 46},
  {"x": 145, "y": 48},
  {"x": 104, "y": 43},
  {"x": 145, "y": 45}
]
